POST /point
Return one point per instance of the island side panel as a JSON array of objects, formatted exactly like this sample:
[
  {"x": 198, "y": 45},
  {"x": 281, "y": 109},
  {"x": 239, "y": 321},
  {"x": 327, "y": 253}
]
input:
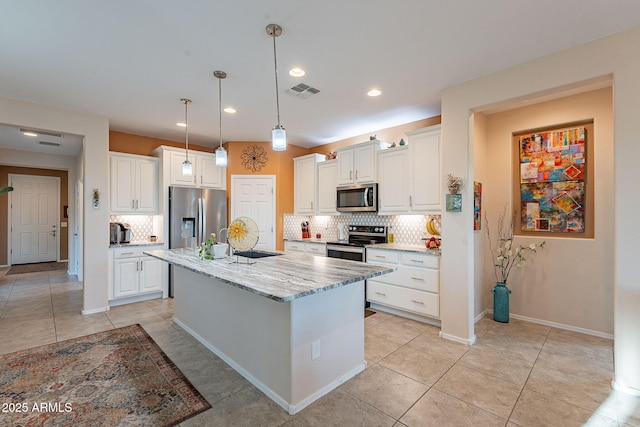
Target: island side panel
[
  {"x": 249, "y": 332},
  {"x": 334, "y": 321}
]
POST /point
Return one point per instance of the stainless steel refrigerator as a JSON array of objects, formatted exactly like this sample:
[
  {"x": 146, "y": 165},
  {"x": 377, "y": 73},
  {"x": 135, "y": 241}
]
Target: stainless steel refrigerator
[{"x": 194, "y": 213}]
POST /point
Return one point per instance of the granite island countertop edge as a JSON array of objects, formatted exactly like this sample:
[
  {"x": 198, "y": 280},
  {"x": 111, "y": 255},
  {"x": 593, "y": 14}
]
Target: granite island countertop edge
[{"x": 277, "y": 278}]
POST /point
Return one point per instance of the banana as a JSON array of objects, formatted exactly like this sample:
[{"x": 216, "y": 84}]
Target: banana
[{"x": 431, "y": 228}]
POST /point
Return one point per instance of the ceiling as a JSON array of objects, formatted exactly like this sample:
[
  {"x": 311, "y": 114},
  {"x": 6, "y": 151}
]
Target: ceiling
[{"x": 132, "y": 61}]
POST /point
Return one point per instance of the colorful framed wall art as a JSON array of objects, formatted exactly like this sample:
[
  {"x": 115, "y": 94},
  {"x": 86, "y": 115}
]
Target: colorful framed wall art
[{"x": 552, "y": 181}]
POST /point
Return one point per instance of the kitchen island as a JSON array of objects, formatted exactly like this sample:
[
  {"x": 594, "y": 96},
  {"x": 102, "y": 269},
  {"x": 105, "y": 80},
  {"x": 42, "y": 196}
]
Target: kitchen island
[{"x": 291, "y": 324}]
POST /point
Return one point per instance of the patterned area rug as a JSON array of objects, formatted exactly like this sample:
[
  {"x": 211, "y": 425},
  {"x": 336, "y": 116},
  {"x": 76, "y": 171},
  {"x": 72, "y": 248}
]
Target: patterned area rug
[
  {"x": 119, "y": 377},
  {"x": 41, "y": 266}
]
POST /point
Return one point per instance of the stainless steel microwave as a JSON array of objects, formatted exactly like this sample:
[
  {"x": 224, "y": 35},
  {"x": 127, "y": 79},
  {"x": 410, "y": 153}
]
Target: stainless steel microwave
[{"x": 357, "y": 198}]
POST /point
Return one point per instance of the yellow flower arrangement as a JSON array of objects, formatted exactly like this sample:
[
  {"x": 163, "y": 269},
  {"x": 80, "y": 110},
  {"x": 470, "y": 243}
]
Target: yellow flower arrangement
[{"x": 237, "y": 230}]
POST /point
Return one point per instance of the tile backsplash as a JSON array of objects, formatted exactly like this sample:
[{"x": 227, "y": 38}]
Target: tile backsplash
[
  {"x": 141, "y": 225},
  {"x": 407, "y": 229}
]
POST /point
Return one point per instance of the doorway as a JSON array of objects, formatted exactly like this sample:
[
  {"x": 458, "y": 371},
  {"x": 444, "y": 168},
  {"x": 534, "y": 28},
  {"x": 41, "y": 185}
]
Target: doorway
[
  {"x": 34, "y": 219},
  {"x": 254, "y": 196}
]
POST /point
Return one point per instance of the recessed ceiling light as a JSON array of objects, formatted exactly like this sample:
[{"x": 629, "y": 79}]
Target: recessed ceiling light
[
  {"x": 181, "y": 124},
  {"x": 27, "y": 133},
  {"x": 230, "y": 110},
  {"x": 374, "y": 92},
  {"x": 296, "y": 72}
]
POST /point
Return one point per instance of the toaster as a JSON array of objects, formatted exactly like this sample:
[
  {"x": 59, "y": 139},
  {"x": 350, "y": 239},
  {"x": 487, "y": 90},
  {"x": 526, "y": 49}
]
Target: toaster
[{"x": 119, "y": 232}]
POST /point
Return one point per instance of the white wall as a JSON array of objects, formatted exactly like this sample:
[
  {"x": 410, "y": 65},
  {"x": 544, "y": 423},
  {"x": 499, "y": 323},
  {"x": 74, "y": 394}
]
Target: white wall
[
  {"x": 614, "y": 55},
  {"x": 96, "y": 148},
  {"x": 482, "y": 168}
]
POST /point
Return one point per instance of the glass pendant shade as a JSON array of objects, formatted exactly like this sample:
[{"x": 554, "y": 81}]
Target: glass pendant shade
[
  {"x": 278, "y": 138},
  {"x": 187, "y": 168},
  {"x": 278, "y": 134},
  {"x": 221, "y": 157}
]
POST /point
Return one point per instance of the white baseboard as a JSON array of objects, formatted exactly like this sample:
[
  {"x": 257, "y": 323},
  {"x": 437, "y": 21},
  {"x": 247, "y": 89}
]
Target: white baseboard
[
  {"x": 558, "y": 325},
  {"x": 95, "y": 310},
  {"x": 480, "y": 316},
  {"x": 625, "y": 389},
  {"x": 449, "y": 337}
]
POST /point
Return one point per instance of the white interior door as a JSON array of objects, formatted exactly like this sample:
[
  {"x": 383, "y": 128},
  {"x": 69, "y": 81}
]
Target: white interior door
[
  {"x": 254, "y": 197},
  {"x": 34, "y": 218}
]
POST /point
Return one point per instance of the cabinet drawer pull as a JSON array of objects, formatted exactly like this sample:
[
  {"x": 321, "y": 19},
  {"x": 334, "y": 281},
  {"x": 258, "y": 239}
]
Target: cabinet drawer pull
[
  {"x": 417, "y": 302},
  {"x": 418, "y": 278},
  {"x": 381, "y": 293},
  {"x": 126, "y": 253},
  {"x": 418, "y": 260},
  {"x": 380, "y": 256}
]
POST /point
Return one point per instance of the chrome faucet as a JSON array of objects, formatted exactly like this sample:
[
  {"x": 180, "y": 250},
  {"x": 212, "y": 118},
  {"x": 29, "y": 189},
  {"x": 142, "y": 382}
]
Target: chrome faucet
[{"x": 226, "y": 240}]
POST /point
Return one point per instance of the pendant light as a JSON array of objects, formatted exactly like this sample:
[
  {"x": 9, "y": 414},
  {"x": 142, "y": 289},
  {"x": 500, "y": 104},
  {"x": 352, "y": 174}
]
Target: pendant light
[
  {"x": 278, "y": 134},
  {"x": 221, "y": 153},
  {"x": 187, "y": 167}
]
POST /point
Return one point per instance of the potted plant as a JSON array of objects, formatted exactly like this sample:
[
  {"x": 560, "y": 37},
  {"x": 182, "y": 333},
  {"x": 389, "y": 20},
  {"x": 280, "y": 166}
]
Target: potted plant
[
  {"x": 506, "y": 256},
  {"x": 5, "y": 190}
]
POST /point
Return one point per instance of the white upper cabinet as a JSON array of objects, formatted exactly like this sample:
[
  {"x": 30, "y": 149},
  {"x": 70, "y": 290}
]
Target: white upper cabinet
[
  {"x": 393, "y": 180},
  {"x": 304, "y": 183},
  {"x": 327, "y": 183},
  {"x": 133, "y": 184},
  {"x": 425, "y": 156},
  {"x": 205, "y": 172},
  {"x": 176, "y": 158},
  {"x": 357, "y": 163},
  {"x": 409, "y": 176},
  {"x": 210, "y": 175}
]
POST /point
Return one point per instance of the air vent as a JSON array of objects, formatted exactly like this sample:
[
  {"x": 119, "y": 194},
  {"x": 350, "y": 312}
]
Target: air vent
[
  {"x": 43, "y": 132},
  {"x": 50, "y": 144},
  {"x": 303, "y": 90}
]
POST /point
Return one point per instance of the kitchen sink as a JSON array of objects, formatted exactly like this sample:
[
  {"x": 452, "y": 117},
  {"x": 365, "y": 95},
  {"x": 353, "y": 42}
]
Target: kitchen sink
[{"x": 256, "y": 254}]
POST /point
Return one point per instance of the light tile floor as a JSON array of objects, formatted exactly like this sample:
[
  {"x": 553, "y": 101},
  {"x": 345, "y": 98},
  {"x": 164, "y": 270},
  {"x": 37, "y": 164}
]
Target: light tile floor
[{"x": 518, "y": 374}]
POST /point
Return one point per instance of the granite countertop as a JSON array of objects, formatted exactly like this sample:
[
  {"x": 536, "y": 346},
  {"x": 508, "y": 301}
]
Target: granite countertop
[
  {"x": 405, "y": 247},
  {"x": 136, "y": 243},
  {"x": 280, "y": 278}
]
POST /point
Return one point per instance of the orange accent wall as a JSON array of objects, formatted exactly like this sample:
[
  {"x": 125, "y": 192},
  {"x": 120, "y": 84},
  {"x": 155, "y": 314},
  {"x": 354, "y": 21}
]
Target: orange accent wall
[
  {"x": 280, "y": 163},
  {"x": 392, "y": 134},
  {"x": 144, "y": 145},
  {"x": 4, "y": 206}
]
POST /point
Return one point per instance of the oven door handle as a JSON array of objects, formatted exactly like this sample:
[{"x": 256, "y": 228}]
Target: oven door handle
[{"x": 345, "y": 249}]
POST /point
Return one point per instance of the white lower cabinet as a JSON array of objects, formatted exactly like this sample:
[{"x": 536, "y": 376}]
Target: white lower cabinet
[
  {"x": 312, "y": 248},
  {"x": 135, "y": 274},
  {"x": 413, "y": 288}
]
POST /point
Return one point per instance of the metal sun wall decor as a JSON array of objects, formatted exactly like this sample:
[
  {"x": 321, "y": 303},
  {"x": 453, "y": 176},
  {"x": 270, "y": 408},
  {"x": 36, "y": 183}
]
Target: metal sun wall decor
[
  {"x": 254, "y": 158},
  {"x": 552, "y": 187}
]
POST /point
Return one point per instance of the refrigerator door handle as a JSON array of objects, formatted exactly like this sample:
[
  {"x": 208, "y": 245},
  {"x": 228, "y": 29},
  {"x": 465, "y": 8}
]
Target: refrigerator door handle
[
  {"x": 203, "y": 214},
  {"x": 200, "y": 218}
]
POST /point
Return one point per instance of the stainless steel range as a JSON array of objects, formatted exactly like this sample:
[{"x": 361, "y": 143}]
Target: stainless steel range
[{"x": 354, "y": 247}]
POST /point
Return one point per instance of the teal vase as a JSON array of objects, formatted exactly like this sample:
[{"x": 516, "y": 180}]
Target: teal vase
[{"x": 501, "y": 302}]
